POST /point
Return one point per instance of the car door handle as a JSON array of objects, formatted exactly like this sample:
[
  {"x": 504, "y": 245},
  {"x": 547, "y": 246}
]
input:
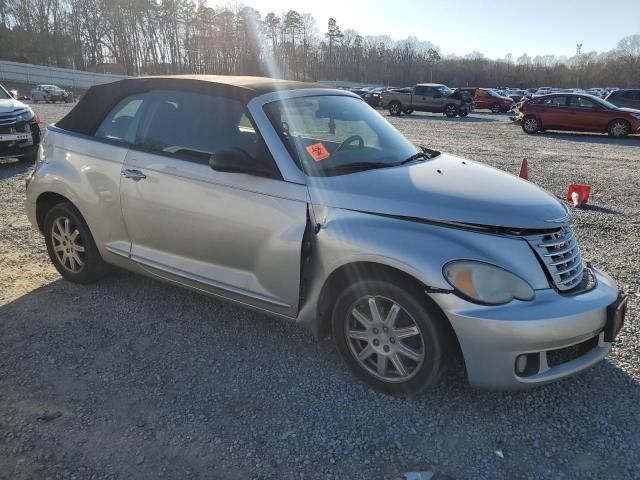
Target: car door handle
[{"x": 135, "y": 175}]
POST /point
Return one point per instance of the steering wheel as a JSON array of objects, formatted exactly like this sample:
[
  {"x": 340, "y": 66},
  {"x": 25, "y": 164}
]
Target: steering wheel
[{"x": 350, "y": 140}]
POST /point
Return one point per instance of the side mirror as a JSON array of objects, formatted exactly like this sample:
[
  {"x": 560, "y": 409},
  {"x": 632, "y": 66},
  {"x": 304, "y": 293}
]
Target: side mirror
[{"x": 236, "y": 160}]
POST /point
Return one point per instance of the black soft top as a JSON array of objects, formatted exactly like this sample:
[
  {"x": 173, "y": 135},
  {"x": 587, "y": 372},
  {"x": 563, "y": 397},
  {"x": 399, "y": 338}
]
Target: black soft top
[{"x": 87, "y": 115}]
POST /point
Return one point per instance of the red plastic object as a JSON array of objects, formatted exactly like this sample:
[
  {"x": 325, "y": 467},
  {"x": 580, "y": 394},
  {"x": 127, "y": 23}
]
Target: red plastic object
[
  {"x": 581, "y": 190},
  {"x": 524, "y": 169}
]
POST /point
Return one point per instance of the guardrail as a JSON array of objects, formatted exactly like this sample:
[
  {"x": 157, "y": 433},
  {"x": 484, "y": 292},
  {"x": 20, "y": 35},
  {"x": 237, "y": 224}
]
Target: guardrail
[{"x": 63, "y": 77}]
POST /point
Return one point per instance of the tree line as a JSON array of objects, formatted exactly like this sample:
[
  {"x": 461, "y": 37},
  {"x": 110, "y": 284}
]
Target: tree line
[{"x": 142, "y": 37}]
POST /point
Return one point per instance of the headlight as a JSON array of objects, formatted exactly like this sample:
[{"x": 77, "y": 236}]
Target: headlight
[
  {"x": 485, "y": 283},
  {"x": 26, "y": 116}
]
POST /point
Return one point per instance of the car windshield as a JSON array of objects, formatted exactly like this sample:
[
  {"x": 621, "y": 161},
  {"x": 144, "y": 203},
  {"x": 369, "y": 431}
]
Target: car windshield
[
  {"x": 4, "y": 94},
  {"x": 335, "y": 135},
  {"x": 493, "y": 93},
  {"x": 603, "y": 102},
  {"x": 445, "y": 91}
]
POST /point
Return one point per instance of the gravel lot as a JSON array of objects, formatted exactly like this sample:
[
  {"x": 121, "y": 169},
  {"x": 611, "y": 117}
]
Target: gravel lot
[{"x": 130, "y": 378}]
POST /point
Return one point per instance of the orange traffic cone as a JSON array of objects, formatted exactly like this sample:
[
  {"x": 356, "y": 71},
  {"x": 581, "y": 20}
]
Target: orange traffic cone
[
  {"x": 524, "y": 169},
  {"x": 578, "y": 195}
]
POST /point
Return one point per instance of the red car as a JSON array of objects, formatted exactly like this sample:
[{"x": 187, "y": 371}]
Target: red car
[
  {"x": 487, "y": 98},
  {"x": 577, "y": 113}
]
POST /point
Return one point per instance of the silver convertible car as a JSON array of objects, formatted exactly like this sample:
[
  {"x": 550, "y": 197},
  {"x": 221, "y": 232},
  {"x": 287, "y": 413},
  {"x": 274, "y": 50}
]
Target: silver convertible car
[{"x": 304, "y": 203}]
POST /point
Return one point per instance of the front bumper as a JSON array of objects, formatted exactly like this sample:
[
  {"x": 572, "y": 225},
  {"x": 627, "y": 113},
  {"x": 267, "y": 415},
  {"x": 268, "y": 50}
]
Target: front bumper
[
  {"x": 493, "y": 337},
  {"x": 18, "y": 144}
]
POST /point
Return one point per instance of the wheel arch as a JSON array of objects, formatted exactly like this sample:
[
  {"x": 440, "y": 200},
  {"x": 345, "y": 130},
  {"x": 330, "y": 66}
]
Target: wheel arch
[
  {"x": 45, "y": 202},
  {"x": 350, "y": 272}
]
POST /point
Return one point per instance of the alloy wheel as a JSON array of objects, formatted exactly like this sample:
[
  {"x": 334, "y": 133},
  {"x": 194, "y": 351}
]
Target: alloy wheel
[
  {"x": 619, "y": 129},
  {"x": 384, "y": 339},
  {"x": 531, "y": 125},
  {"x": 67, "y": 244}
]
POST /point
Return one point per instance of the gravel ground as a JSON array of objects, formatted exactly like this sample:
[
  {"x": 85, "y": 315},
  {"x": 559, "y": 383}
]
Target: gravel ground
[{"x": 130, "y": 378}]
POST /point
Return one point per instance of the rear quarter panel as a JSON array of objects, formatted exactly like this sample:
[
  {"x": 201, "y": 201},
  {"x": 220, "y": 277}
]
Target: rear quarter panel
[{"x": 87, "y": 172}]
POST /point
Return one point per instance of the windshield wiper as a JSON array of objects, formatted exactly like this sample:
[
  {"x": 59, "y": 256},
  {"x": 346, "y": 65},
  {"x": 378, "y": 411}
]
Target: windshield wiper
[
  {"x": 356, "y": 167},
  {"x": 426, "y": 154}
]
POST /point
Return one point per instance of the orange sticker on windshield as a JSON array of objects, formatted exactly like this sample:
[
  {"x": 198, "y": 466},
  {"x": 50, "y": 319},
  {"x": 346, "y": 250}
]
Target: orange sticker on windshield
[{"x": 318, "y": 152}]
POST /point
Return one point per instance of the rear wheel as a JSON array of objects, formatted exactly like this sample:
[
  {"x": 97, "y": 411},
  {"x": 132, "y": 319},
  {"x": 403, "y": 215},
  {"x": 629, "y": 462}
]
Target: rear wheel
[
  {"x": 71, "y": 246},
  {"x": 395, "y": 108},
  {"x": 619, "y": 128},
  {"x": 390, "y": 336},
  {"x": 531, "y": 125},
  {"x": 495, "y": 108},
  {"x": 451, "y": 110}
]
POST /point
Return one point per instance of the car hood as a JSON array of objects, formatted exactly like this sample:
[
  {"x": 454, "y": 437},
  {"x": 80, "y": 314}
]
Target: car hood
[
  {"x": 444, "y": 189},
  {"x": 8, "y": 105},
  {"x": 628, "y": 110}
]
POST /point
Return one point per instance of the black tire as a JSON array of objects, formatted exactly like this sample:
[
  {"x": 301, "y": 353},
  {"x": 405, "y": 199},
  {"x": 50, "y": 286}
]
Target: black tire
[
  {"x": 495, "y": 108},
  {"x": 408, "y": 111},
  {"x": 395, "y": 108},
  {"x": 450, "y": 110},
  {"x": 531, "y": 125},
  {"x": 619, "y": 128},
  {"x": 433, "y": 338},
  {"x": 93, "y": 267},
  {"x": 463, "y": 113}
]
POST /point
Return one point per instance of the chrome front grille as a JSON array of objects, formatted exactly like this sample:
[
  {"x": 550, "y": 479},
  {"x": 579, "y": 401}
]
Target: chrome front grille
[
  {"x": 11, "y": 118},
  {"x": 559, "y": 252}
]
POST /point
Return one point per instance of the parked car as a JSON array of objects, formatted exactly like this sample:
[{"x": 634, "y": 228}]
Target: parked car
[
  {"x": 50, "y": 94},
  {"x": 373, "y": 99},
  {"x": 485, "y": 98},
  {"x": 516, "y": 95},
  {"x": 629, "y": 98},
  {"x": 19, "y": 129},
  {"x": 579, "y": 113},
  {"x": 304, "y": 203},
  {"x": 426, "y": 97}
]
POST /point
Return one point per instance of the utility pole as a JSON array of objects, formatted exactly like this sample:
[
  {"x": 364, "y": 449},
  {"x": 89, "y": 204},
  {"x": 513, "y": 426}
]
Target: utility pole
[{"x": 579, "y": 63}]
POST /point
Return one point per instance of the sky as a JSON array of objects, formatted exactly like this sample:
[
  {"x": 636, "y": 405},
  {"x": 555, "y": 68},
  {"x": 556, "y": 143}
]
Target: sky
[{"x": 492, "y": 27}]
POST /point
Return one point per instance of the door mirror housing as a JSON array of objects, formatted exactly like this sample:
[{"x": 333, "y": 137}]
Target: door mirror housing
[{"x": 236, "y": 160}]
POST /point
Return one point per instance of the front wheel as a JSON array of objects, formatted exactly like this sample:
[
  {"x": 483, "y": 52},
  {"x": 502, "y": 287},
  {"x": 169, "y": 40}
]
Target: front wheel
[
  {"x": 531, "y": 125},
  {"x": 495, "y": 108},
  {"x": 395, "y": 108},
  {"x": 619, "y": 129},
  {"x": 390, "y": 336},
  {"x": 71, "y": 246},
  {"x": 451, "y": 110}
]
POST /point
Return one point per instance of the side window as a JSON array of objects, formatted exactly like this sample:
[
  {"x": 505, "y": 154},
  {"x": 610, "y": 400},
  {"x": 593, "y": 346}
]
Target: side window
[
  {"x": 481, "y": 93},
  {"x": 420, "y": 90},
  {"x": 581, "y": 102},
  {"x": 122, "y": 122},
  {"x": 193, "y": 126},
  {"x": 555, "y": 101}
]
